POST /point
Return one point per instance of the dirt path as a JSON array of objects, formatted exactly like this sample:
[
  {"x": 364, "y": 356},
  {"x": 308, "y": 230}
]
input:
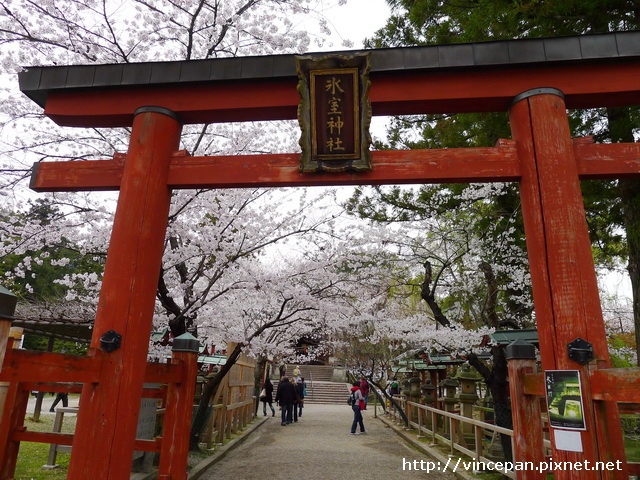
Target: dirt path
[{"x": 320, "y": 447}]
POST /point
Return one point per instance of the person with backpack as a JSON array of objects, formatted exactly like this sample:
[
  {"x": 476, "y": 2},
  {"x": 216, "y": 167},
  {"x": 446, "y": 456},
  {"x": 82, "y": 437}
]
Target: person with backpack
[
  {"x": 356, "y": 400},
  {"x": 395, "y": 387}
]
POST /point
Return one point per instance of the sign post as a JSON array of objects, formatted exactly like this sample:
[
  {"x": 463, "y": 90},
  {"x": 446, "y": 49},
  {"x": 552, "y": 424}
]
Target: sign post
[{"x": 334, "y": 113}]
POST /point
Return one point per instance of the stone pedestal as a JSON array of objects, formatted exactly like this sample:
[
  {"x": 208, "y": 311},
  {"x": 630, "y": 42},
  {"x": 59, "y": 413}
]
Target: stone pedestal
[
  {"x": 449, "y": 400},
  {"x": 467, "y": 397}
]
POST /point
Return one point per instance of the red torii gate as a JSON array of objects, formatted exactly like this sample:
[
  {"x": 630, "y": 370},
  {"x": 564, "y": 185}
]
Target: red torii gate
[{"x": 535, "y": 80}]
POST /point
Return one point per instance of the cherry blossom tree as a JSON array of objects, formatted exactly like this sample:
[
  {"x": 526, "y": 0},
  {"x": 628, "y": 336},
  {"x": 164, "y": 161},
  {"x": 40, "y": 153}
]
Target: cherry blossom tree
[
  {"x": 85, "y": 32},
  {"x": 475, "y": 273},
  {"x": 214, "y": 237},
  {"x": 272, "y": 307}
]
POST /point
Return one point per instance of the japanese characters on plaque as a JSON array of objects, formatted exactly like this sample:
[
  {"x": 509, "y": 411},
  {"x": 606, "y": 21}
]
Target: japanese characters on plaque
[{"x": 334, "y": 113}]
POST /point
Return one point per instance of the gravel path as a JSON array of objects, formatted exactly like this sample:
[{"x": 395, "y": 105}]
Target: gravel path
[{"x": 320, "y": 447}]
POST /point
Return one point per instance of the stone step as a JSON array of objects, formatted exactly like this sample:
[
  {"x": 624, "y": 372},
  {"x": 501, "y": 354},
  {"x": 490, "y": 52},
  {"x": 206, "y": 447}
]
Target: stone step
[
  {"x": 332, "y": 393},
  {"x": 322, "y": 373}
]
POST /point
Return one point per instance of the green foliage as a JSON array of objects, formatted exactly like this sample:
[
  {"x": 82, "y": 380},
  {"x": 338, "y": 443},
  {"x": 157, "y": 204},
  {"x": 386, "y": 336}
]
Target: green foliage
[
  {"x": 611, "y": 206},
  {"x": 44, "y": 267},
  {"x": 40, "y": 343}
]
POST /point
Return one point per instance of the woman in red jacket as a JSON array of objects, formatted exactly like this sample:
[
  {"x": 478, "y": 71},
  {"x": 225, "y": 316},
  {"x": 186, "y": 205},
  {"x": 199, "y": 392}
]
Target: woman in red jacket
[{"x": 357, "y": 406}]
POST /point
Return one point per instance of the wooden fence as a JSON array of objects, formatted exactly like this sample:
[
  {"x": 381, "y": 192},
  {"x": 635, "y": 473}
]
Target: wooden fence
[
  {"x": 446, "y": 428},
  {"x": 235, "y": 404},
  {"x": 225, "y": 420}
]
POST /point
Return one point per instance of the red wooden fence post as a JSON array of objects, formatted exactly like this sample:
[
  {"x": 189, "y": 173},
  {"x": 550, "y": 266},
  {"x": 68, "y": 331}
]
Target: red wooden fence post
[
  {"x": 563, "y": 277},
  {"x": 177, "y": 419},
  {"x": 13, "y": 406},
  {"x": 527, "y": 422},
  {"x": 107, "y": 419}
]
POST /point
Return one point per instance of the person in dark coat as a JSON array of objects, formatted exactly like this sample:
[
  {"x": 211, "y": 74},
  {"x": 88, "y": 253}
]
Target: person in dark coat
[
  {"x": 268, "y": 398},
  {"x": 296, "y": 401},
  {"x": 300, "y": 388},
  {"x": 285, "y": 397}
]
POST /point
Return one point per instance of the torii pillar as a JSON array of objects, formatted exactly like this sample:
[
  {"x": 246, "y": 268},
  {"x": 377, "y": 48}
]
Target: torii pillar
[
  {"x": 565, "y": 289},
  {"x": 109, "y": 409}
]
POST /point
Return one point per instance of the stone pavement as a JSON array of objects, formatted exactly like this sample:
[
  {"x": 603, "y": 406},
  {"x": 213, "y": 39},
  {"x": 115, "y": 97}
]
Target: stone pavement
[{"x": 320, "y": 447}]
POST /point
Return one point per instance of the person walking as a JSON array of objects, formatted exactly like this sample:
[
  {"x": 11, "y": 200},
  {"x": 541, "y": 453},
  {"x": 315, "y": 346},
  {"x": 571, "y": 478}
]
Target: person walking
[
  {"x": 268, "y": 397},
  {"x": 296, "y": 400},
  {"x": 60, "y": 396},
  {"x": 301, "y": 388},
  {"x": 296, "y": 374},
  {"x": 395, "y": 387},
  {"x": 285, "y": 396},
  {"x": 283, "y": 369},
  {"x": 357, "y": 405}
]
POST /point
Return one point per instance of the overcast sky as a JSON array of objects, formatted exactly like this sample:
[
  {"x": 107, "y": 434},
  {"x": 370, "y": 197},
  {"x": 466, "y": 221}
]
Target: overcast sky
[{"x": 357, "y": 20}]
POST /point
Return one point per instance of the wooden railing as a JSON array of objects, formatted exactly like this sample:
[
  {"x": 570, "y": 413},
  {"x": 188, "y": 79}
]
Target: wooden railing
[
  {"x": 26, "y": 371},
  {"x": 226, "y": 420},
  {"x": 447, "y": 428}
]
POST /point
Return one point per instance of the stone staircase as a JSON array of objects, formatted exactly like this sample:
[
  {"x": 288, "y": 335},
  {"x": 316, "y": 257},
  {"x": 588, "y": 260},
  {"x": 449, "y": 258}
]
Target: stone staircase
[
  {"x": 331, "y": 393},
  {"x": 313, "y": 373},
  {"x": 320, "y": 387}
]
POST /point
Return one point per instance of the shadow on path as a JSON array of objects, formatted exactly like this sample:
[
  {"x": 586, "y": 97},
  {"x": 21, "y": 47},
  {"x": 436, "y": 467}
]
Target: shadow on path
[{"x": 320, "y": 447}]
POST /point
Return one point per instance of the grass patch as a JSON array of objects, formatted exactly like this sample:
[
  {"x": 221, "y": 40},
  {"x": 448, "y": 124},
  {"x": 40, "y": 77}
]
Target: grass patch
[
  {"x": 32, "y": 456},
  {"x": 632, "y": 449}
]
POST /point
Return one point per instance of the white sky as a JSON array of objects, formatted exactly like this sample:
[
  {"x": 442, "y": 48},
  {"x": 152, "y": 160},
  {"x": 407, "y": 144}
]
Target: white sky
[{"x": 357, "y": 20}]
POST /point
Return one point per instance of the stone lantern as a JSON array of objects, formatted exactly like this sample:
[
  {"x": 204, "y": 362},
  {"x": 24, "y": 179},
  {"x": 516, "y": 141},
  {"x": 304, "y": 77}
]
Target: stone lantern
[
  {"x": 414, "y": 393},
  {"x": 428, "y": 393},
  {"x": 468, "y": 395},
  {"x": 428, "y": 398},
  {"x": 414, "y": 385},
  {"x": 450, "y": 386},
  {"x": 449, "y": 400},
  {"x": 406, "y": 386}
]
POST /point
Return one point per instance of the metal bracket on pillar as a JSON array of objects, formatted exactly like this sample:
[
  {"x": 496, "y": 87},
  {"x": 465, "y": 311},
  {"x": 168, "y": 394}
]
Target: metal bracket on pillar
[
  {"x": 161, "y": 110},
  {"x": 536, "y": 91},
  {"x": 110, "y": 341},
  {"x": 580, "y": 351}
]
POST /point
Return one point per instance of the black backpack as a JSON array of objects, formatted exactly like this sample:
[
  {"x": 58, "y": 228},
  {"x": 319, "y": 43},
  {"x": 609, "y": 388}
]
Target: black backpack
[{"x": 352, "y": 399}]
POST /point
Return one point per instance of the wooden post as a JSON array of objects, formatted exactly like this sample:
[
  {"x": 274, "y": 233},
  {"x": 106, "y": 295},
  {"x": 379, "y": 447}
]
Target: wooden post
[
  {"x": 107, "y": 420},
  {"x": 527, "y": 420},
  {"x": 177, "y": 420},
  {"x": 563, "y": 277},
  {"x": 12, "y": 340},
  {"x": 14, "y": 411}
]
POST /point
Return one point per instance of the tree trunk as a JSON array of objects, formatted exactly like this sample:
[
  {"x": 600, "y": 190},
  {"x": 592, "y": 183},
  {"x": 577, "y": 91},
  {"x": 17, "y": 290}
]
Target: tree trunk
[
  {"x": 209, "y": 391},
  {"x": 405, "y": 419},
  {"x": 428, "y": 295},
  {"x": 497, "y": 379},
  {"x": 261, "y": 364}
]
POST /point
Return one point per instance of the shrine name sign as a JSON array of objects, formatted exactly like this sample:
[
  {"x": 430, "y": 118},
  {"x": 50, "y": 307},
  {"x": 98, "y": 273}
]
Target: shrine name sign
[{"x": 334, "y": 113}]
